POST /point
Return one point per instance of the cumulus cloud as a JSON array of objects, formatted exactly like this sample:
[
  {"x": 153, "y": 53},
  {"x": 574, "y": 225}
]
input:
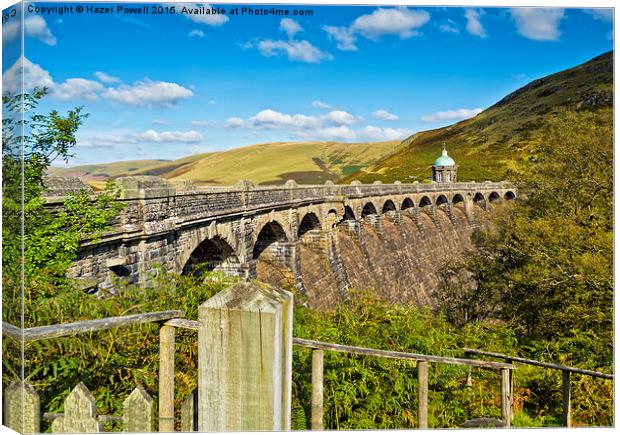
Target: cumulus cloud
[
  {"x": 400, "y": 21},
  {"x": 33, "y": 76},
  {"x": 148, "y": 93},
  {"x": 77, "y": 89},
  {"x": 35, "y": 27},
  {"x": 384, "y": 115},
  {"x": 290, "y": 26},
  {"x": 196, "y": 33},
  {"x": 234, "y": 122},
  {"x": 302, "y": 51},
  {"x": 451, "y": 115},
  {"x": 340, "y": 117},
  {"x": 208, "y": 19},
  {"x": 114, "y": 139},
  {"x": 321, "y": 105},
  {"x": 335, "y": 125},
  {"x": 539, "y": 24},
  {"x": 474, "y": 25},
  {"x": 371, "y": 132},
  {"x": 106, "y": 78}
]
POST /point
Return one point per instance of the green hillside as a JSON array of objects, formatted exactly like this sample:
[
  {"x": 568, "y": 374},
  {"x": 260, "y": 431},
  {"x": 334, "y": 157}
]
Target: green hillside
[
  {"x": 486, "y": 146},
  {"x": 269, "y": 163}
]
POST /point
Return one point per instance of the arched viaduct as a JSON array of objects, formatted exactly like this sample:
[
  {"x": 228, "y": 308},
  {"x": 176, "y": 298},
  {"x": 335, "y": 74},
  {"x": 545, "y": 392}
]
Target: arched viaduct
[{"x": 185, "y": 229}]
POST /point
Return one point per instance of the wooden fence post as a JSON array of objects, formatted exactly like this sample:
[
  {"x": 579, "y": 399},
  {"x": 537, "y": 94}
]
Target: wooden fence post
[
  {"x": 80, "y": 413},
  {"x": 317, "y": 389},
  {"x": 566, "y": 405},
  {"x": 245, "y": 342},
  {"x": 505, "y": 395},
  {"x": 166, "y": 378},
  {"x": 423, "y": 394},
  {"x": 138, "y": 412},
  {"x": 22, "y": 408},
  {"x": 511, "y": 383},
  {"x": 189, "y": 412}
]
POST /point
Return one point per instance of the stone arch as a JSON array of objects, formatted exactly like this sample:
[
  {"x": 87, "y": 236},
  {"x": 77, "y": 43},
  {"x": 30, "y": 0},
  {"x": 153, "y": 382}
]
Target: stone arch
[
  {"x": 460, "y": 217},
  {"x": 425, "y": 201},
  {"x": 309, "y": 228},
  {"x": 510, "y": 195},
  {"x": 407, "y": 204},
  {"x": 368, "y": 210},
  {"x": 388, "y": 206},
  {"x": 494, "y": 196},
  {"x": 270, "y": 236},
  {"x": 458, "y": 199},
  {"x": 349, "y": 214},
  {"x": 441, "y": 200},
  {"x": 479, "y": 199},
  {"x": 212, "y": 254}
]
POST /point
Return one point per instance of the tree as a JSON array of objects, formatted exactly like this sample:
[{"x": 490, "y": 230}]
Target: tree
[{"x": 548, "y": 262}]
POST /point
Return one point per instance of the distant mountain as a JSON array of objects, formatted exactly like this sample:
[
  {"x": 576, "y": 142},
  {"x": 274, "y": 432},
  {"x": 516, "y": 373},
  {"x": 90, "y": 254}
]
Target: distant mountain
[
  {"x": 486, "y": 146},
  {"x": 268, "y": 163}
]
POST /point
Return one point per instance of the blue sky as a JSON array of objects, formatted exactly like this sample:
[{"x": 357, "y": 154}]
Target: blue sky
[{"x": 166, "y": 86}]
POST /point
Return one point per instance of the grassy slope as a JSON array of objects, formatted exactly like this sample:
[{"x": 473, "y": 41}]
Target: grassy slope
[
  {"x": 270, "y": 163},
  {"x": 486, "y": 146}
]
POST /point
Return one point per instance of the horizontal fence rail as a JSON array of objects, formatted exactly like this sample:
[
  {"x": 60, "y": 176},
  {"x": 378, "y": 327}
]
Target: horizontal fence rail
[
  {"x": 538, "y": 363},
  {"x": 67, "y": 329},
  {"x": 400, "y": 355}
]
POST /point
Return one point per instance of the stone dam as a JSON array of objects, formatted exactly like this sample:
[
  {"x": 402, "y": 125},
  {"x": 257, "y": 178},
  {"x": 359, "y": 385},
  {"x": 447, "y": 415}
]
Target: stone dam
[{"x": 319, "y": 241}]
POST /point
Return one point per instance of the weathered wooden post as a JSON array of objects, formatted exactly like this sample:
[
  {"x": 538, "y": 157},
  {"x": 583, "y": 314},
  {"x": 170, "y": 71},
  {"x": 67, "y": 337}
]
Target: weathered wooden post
[
  {"x": 245, "y": 346},
  {"x": 22, "y": 408},
  {"x": 138, "y": 412},
  {"x": 566, "y": 405},
  {"x": 80, "y": 413},
  {"x": 317, "y": 389},
  {"x": 511, "y": 383},
  {"x": 189, "y": 412},
  {"x": 506, "y": 398},
  {"x": 423, "y": 394},
  {"x": 166, "y": 378}
]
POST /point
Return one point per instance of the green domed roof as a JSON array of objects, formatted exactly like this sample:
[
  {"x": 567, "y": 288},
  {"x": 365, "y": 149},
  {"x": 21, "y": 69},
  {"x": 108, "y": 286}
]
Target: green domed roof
[{"x": 444, "y": 159}]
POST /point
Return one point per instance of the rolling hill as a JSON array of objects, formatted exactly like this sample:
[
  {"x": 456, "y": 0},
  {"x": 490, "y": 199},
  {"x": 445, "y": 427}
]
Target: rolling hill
[
  {"x": 487, "y": 146},
  {"x": 269, "y": 163}
]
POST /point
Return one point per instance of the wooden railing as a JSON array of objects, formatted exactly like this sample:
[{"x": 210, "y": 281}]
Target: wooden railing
[
  {"x": 319, "y": 347},
  {"x": 172, "y": 319},
  {"x": 566, "y": 375}
]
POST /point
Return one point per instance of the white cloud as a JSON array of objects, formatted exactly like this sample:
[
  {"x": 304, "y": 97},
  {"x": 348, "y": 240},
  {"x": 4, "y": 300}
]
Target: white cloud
[
  {"x": 291, "y": 27},
  {"x": 371, "y": 132},
  {"x": 161, "y": 122},
  {"x": 77, "y": 89},
  {"x": 302, "y": 51},
  {"x": 196, "y": 33},
  {"x": 106, "y": 78},
  {"x": 36, "y": 27},
  {"x": 603, "y": 14},
  {"x": 321, "y": 105},
  {"x": 384, "y": 115},
  {"x": 451, "y": 115},
  {"x": 539, "y": 24},
  {"x": 33, "y": 76},
  {"x": 234, "y": 122},
  {"x": 202, "y": 123},
  {"x": 193, "y": 13},
  {"x": 343, "y": 36},
  {"x": 273, "y": 120},
  {"x": 449, "y": 27},
  {"x": 398, "y": 21},
  {"x": 340, "y": 117},
  {"x": 474, "y": 25},
  {"x": 148, "y": 93},
  {"x": 341, "y": 132},
  {"x": 151, "y": 136}
]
